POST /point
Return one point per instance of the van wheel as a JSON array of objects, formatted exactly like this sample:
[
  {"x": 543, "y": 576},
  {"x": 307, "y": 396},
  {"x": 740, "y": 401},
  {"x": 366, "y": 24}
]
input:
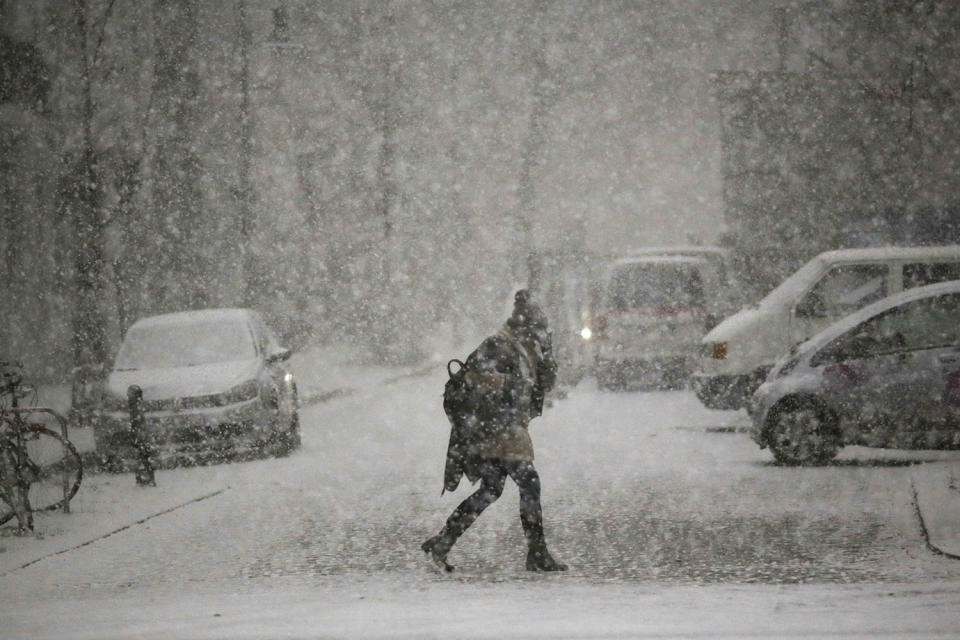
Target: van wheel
[
  {"x": 801, "y": 432},
  {"x": 607, "y": 382}
]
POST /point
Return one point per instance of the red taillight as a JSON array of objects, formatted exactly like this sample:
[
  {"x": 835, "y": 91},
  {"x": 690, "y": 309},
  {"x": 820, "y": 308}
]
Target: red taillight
[{"x": 719, "y": 350}]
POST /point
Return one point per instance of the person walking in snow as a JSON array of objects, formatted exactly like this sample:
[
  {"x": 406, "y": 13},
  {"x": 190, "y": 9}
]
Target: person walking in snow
[{"x": 516, "y": 367}]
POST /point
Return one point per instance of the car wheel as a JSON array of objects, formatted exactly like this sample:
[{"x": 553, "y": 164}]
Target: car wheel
[
  {"x": 607, "y": 383},
  {"x": 109, "y": 462},
  {"x": 286, "y": 440},
  {"x": 801, "y": 432},
  {"x": 112, "y": 451},
  {"x": 607, "y": 380}
]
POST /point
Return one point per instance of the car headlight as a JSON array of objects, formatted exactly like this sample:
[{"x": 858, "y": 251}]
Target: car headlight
[{"x": 241, "y": 393}]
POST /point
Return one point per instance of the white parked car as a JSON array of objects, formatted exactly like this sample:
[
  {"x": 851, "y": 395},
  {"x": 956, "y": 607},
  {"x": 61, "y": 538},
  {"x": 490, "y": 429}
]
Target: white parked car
[
  {"x": 885, "y": 376},
  {"x": 736, "y": 355},
  {"x": 212, "y": 381}
]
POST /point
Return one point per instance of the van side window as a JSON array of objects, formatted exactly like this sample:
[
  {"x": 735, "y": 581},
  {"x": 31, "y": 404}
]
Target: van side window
[
  {"x": 844, "y": 289},
  {"x": 921, "y": 273}
]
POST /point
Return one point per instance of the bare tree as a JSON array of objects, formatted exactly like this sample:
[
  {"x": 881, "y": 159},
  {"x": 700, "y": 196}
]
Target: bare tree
[
  {"x": 573, "y": 48},
  {"x": 244, "y": 191},
  {"x": 361, "y": 46},
  {"x": 854, "y": 125},
  {"x": 180, "y": 276},
  {"x": 83, "y": 191}
]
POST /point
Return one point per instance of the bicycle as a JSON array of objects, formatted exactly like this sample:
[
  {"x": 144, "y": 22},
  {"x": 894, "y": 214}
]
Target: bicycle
[{"x": 40, "y": 469}]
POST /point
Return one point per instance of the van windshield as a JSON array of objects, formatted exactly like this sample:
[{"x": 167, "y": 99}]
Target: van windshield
[
  {"x": 184, "y": 345},
  {"x": 655, "y": 285},
  {"x": 787, "y": 291}
]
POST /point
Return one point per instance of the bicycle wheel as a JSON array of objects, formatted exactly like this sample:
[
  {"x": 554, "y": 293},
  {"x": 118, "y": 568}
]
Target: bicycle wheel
[
  {"x": 53, "y": 470},
  {"x": 11, "y": 490}
]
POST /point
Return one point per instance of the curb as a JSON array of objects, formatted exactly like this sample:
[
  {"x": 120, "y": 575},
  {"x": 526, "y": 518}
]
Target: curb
[{"x": 936, "y": 493}]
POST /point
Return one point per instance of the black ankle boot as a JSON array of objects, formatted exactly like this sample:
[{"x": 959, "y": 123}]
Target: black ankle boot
[
  {"x": 539, "y": 559},
  {"x": 437, "y": 549}
]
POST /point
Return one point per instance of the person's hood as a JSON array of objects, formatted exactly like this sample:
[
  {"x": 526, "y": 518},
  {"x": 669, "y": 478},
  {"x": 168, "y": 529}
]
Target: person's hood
[{"x": 183, "y": 382}]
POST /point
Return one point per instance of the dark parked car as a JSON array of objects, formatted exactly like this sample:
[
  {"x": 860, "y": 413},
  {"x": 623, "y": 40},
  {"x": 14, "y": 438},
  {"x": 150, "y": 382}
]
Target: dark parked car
[
  {"x": 885, "y": 376},
  {"x": 212, "y": 380}
]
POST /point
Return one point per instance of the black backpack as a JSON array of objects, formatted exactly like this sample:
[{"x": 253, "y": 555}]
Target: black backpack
[{"x": 471, "y": 411}]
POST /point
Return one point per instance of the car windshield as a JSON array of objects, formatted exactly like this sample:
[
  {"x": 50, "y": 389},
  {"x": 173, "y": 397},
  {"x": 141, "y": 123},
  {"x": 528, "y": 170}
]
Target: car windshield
[
  {"x": 184, "y": 345},
  {"x": 655, "y": 285}
]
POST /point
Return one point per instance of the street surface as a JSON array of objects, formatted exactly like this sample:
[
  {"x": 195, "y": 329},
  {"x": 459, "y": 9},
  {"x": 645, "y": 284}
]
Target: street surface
[{"x": 649, "y": 497}]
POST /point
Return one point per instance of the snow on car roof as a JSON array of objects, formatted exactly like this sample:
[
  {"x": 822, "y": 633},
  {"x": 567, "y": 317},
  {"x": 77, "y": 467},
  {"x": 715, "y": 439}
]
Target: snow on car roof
[
  {"x": 685, "y": 249},
  {"x": 805, "y": 276},
  {"x": 660, "y": 259},
  {"x": 891, "y": 253},
  {"x": 201, "y": 315}
]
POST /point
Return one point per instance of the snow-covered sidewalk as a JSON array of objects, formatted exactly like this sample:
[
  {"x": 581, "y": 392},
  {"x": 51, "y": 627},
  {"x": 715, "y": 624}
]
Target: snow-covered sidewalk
[{"x": 107, "y": 504}]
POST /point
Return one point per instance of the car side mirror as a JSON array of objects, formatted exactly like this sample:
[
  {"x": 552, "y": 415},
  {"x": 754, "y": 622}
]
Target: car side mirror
[{"x": 279, "y": 356}]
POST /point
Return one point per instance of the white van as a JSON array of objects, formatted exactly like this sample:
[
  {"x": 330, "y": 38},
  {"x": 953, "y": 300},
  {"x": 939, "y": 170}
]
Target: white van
[
  {"x": 736, "y": 355},
  {"x": 654, "y": 308}
]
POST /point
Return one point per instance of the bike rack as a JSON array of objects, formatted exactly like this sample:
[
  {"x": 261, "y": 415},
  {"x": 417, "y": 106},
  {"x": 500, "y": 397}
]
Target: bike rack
[{"x": 63, "y": 432}]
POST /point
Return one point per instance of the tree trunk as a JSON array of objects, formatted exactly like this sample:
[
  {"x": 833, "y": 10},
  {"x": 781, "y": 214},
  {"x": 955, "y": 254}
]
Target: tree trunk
[
  {"x": 244, "y": 186},
  {"x": 181, "y": 276},
  {"x": 89, "y": 334}
]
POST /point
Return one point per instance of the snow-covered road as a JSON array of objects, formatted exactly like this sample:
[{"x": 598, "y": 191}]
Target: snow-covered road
[{"x": 674, "y": 524}]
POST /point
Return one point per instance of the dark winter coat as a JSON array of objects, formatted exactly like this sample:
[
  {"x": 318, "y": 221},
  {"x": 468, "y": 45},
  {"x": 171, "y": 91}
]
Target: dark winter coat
[{"x": 518, "y": 372}]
